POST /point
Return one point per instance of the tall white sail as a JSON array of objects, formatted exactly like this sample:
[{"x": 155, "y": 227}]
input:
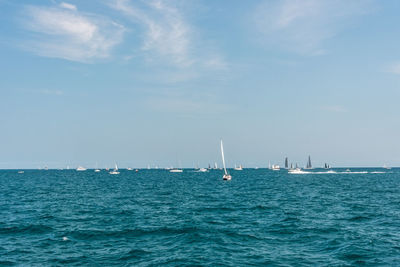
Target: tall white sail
[{"x": 223, "y": 158}]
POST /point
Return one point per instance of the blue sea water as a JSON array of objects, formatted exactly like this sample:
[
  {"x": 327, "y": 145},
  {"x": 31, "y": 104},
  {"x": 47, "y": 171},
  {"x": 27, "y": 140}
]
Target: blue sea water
[{"x": 153, "y": 217}]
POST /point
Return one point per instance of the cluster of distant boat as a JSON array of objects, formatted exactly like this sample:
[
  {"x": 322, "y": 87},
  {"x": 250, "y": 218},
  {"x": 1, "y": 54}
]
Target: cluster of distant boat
[{"x": 292, "y": 169}]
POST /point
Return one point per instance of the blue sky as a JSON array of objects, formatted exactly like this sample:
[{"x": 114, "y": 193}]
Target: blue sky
[{"x": 160, "y": 82}]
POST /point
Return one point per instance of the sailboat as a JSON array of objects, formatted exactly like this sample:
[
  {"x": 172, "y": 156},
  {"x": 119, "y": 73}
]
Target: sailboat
[
  {"x": 286, "y": 163},
  {"x": 239, "y": 168},
  {"x": 97, "y": 168},
  {"x": 386, "y": 167},
  {"x": 309, "y": 166},
  {"x": 215, "y": 166},
  {"x": 115, "y": 171},
  {"x": 226, "y": 176}
]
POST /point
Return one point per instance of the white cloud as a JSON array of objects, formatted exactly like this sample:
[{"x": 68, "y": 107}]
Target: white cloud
[
  {"x": 303, "y": 25},
  {"x": 63, "y": 32},
  {"x": 394, "y": 68},
  {"x": 68, "y": 6},
  {"x": 166, "y": 31}
]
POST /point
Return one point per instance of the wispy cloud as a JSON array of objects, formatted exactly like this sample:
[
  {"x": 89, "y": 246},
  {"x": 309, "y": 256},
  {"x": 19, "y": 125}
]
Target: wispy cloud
[
  {"x": 64, "y": 32},
  {"x": 68, "y": 6},
  {"x": 166, "y": 31},
  {"x": 168, "y": 37},
  {"x": 334, "y": 108},
  {"x": 393, "y": 68},
  {"x": 304, "y": 25},
  {"x": 51, "y": 92}
]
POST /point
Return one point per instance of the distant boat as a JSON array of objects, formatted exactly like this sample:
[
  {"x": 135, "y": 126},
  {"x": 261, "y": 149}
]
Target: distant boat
[
  {"x": 97, "y": 168},
  {"x": 275, "y": 167},
  {"x": 238, "y": 168},
  {"x": 202, "y": 170},
  {"x": 115, "y": 171},
  {"x": 386, "y": 167},
  {"x": 215, "y": 166},
  {"x": 309, "y": 166},
  {"x": 295, "y": 171},
  {"x": 20, "y": 171},
  {"x": 80, "y": 169},
  {"x": 176, "y": 170},
  {"x": 226, "y": 175},
  {"x": 129, "y": 169},
  {"x": 327, "y": 166},
  {"x": 286, "y": 163}
]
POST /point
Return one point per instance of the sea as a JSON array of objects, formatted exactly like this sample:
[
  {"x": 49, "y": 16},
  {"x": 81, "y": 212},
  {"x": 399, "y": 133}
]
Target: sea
[{"x": 157, "y": 218}]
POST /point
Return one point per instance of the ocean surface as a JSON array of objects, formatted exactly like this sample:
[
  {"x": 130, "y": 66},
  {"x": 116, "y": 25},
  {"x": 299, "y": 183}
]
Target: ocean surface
[{"x": 153, "y": 217}]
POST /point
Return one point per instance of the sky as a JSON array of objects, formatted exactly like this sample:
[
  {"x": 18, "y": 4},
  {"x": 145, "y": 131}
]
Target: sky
[{"x": 159, "y": 83}]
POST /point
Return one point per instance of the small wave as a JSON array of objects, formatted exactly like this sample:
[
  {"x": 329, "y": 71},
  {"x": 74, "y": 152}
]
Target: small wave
[
  {"x": 358, "y": 218},
  {"x": 361, "y": 172},
  {"x": 7, "y": 263},
  {"x": 306, "y": 172},
  {"x": 327, "y": 172},
  {"x": 99, "y": 234},
  {"x": 26, "y": 229},
  {"x": 134, "y": 254}
]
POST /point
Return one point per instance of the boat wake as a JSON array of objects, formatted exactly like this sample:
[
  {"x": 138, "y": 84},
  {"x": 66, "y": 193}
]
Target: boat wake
[{"x": 335, "y": 172}]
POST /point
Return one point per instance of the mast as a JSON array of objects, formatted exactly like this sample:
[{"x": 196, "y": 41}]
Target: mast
[{"x": 223, "y": 158}]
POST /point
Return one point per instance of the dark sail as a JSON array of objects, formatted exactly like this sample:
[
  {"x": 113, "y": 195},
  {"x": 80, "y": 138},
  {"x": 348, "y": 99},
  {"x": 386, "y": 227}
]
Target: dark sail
[
  {"x": 286, "y": 163},
  {"x": 309, "y": 166}
]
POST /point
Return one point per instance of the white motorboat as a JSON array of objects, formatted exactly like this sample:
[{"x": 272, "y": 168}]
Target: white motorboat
[
  {"x": 275, "y": 167},
  {"x": 176, "y": 170}
]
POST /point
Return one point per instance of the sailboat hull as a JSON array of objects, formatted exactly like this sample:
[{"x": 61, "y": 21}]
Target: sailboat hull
[{"x": 227, "y": 177}]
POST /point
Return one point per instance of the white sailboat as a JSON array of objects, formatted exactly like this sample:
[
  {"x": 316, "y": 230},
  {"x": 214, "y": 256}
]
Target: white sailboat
[
  {"x": 226, "y": 176},
  {"x": 386, "y": 167},
  {"x": 239, "y": 168},
  {"x": 97, "y": 168},
  {"x": 176, "y": 169},
  {"x": 115, "y": 171}
]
